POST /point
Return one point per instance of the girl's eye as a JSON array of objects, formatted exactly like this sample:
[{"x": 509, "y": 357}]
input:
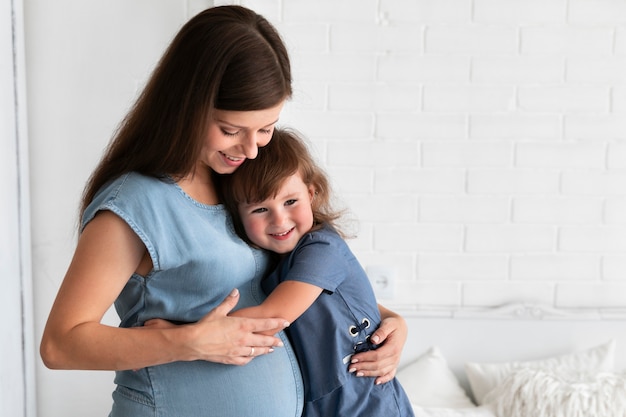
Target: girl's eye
[
  {"x": 290, "y": 202},
  {"x": 259, "y": 210}
]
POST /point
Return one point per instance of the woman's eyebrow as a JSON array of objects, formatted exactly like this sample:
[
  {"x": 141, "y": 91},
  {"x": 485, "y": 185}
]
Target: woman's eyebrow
[{"x": 242, "y": 127}]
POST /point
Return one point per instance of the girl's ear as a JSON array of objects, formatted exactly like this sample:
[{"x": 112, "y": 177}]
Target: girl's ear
[{"x": 312, "y": 193}]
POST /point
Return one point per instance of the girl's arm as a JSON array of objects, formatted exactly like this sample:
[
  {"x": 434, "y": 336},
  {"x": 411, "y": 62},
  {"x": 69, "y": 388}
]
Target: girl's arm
[
  {"x": 108, "y": 252},
  {"x": 383, "y": 362},
  {"x": 288, "y": 300}
]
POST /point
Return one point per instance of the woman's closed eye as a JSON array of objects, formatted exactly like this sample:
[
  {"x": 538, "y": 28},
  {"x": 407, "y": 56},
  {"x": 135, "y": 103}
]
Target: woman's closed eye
[{"x": 229, "y": 133}]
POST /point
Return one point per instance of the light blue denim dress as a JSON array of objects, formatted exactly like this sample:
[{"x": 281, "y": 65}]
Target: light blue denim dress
[{"x": 198, "y": 259}]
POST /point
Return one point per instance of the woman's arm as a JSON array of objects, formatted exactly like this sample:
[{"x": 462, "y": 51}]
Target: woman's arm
[
  {"x": 383, "y": 362},
  {"x": 108, "y": 252},
  {"x": 289, "y": 300}
]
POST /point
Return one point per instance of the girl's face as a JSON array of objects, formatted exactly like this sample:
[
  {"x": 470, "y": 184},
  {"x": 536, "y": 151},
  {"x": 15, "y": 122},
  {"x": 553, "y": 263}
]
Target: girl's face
[
  {"x": 278, "y": 223},
  {"x": 234, "y": 136}
]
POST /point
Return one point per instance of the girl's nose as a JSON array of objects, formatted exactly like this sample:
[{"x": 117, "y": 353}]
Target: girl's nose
[{"x": 278, "y": 218}]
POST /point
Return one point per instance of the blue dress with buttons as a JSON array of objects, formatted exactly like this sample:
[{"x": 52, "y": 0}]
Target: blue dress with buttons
[
  {"x": 197, "y": 260},
  {"x": 326, "y": 335}
]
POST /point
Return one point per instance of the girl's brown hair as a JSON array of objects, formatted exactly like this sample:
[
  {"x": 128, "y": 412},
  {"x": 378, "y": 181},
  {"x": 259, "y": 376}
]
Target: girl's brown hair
[
  {"x": 261, "y": 178},
  {"x": 227, "y": 58}
]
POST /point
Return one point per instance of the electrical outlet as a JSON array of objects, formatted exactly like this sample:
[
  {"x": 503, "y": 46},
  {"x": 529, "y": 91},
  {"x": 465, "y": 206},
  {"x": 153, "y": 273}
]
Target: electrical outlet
[{"x": 383, "y": 280}]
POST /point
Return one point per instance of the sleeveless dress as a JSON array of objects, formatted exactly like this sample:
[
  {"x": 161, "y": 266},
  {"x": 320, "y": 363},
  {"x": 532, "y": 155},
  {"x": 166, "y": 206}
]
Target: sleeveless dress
[
  {"x": 337, "y": 325},
  {"x": 197, "y": 260}
]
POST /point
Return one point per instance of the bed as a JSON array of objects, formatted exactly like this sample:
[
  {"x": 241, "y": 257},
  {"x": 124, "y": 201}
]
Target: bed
[{"x": 516, "y": 360}]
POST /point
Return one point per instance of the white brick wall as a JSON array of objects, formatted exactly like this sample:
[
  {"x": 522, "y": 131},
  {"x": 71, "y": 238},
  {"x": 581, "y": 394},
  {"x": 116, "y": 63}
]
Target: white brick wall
[{"x": 481, "y": 144}]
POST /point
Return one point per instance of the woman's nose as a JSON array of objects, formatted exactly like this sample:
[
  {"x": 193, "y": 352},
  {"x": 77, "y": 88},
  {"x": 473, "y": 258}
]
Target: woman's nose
[{"x": 251, "y": 146}]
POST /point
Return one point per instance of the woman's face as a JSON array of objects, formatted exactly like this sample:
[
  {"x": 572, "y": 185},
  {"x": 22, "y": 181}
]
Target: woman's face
[{"x": 234, "y": 136}]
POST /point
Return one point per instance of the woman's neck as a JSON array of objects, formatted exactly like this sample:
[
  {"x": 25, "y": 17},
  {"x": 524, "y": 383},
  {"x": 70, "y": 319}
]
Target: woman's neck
[{"x": 199, "y": 186}]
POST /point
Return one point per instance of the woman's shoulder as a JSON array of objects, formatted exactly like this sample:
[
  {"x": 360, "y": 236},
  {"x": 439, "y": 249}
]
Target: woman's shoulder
[{"x": 129, "y": 193}]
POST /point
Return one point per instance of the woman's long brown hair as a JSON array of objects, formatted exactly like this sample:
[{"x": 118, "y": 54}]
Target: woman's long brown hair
[{"x": 226, "y": 58}]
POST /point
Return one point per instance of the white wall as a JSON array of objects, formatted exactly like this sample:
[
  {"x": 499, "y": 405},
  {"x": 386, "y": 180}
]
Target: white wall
[
  {"x": 17, "y": 377},
  {"x": 481, "y": 143}
]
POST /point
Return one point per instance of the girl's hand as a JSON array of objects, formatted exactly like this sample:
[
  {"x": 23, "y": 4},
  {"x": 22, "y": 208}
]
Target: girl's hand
[
  {"x": 382, "y": 362},
  {"x": 230, "y": 340}
]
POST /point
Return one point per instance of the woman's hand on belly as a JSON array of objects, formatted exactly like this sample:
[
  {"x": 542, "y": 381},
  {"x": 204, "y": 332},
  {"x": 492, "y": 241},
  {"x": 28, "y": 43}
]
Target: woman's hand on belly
[{"x": 220, "y": 338}]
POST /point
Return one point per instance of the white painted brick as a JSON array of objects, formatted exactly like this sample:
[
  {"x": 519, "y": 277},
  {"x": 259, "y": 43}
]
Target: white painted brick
[
  {"x": 305, "y": 38},
  {"x": 429, "y": 11},
  {"x": 615, "y": 210},
  {"x": 462, "y": 267},
  {"x": 513, "y": 181},
  {"x": 464, "y": 209},
  {"x": 468, "y": 98},
  {"x": 351, "y": 180},
  {"x": 336, "y": 125},
  {"x": 425, "y": 69},
  {"x": 335, "y": 67},
  {"x": 518, "y": 69},
  {"x": 564, "y": 98},
  {"x": 512, "y": 126},
  {"x": 383, "y": 209},
  {"x": 467, "y": 154},
  {"x": 320, "y": 11},
  {"x": 420, "y": 181},
  {"x": 614, "y": 268},
  {"x": 554, "y": 267},
  {"x": 561, "y": 155},
  {"x": 471, "y": 40},
  {"x": 307, "y": 96},
  {"x": 373, "y": 153},
  {"x": 378, "y": 97},
  {"x": 400, "y": 38},
  {"x": 407, "y": 237},
  {"x": 592, "y": 12},
  {"x": 491, "y": 294},
  {"x": 617, "y": 156},
  {"x": 403, "y": 264},
  {"x": 427, "y": 294},
  {"x": 594, "y": 126},
  {"x": 620, "y": 41},
  {"x": 567, "y": 40},
  {"x": 520, "y": 11},
  {"x": 363, "y": 241},
  {"x": 591, "y": 295},
  {"x": 503, "y": 238},
  {"x": 594, "y": 182},
  {"x": 557, "y": 210},
  {"x": 618, "y": 100},
  {"x": 422, "y": 126},
  {"x": 590, "y": 239},
  {"x": 609, "y": 70}
]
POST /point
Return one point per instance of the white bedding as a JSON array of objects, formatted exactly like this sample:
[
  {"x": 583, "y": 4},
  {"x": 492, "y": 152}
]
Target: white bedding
[{"x": 516, "y": 361}]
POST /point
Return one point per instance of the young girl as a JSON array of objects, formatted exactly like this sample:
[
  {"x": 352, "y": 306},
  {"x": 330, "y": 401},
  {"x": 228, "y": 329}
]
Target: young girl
[
  {"x": 156, "y": 242},
  {"x": 281, "y": 202}
]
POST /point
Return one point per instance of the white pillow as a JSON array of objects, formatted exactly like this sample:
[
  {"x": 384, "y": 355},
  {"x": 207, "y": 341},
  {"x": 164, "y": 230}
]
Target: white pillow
[
  {"x": 549, "y": 393},
  {"x": 429, "y": 382},
  {"x": 482, "y": 411},
  {"x": 483, "y": 377}
]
